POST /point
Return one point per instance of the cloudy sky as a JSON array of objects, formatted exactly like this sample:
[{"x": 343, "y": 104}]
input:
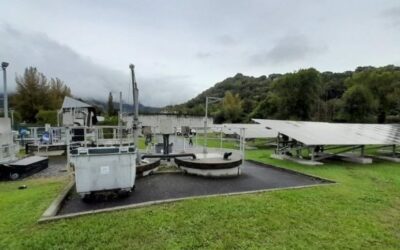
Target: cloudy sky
[{"x": 182, "y": 47}]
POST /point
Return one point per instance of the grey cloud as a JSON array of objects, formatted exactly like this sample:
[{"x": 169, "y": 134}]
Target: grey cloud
[
  {"x": 393, "y": 16},
  {"x": 166, "y": 90},
  {"x": 290, "y": 48},
  {"x": 85, "y": 77},
  {"x": 226, "y": 40},
  {"x": 203, "y": 55}
]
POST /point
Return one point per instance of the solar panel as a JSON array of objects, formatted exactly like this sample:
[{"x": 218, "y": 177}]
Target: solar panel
[
  {"x": 251, "y": 130},
  {"x": 324, "y": 133}
]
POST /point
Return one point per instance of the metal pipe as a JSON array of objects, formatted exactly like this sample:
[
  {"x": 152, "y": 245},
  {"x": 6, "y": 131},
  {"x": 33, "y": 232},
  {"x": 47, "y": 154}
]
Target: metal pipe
[
  {"x": 352, "y": 148},
  {"x": 135, "y": 124},
  {"x": 4, "y": 65},
  {"x": 169, "y": 156},
  {"x": 205, "y": 128},
  {"x": 12, "y": 118},
  {"x": 120, "y": 119},
  {"x": 68, "y": 141},
  {"x": 220, "y": 137},
  {"x": 243, "y": 144}
]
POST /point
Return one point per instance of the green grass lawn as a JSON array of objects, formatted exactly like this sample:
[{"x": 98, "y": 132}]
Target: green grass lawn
[
  {"x": 142, "y": 144},
  {"x": 362, "y": 211},
  {"x": 214, "y": 141}
]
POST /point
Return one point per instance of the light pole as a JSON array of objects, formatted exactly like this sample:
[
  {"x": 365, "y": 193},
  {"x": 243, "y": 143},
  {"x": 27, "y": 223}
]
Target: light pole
[
  {"x": 209, "y": 99},
  {"x": 4, "y": 65}
]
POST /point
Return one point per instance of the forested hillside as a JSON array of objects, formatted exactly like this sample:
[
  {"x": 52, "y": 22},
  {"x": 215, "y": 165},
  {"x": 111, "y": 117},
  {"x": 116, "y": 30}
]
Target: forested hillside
[{"x": 367, "y": 94}]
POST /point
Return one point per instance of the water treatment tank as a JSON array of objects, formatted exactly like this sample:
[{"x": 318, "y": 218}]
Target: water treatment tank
[{"x": 104, "y": 169}]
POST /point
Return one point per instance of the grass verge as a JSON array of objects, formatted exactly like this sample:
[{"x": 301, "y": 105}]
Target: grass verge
[{"x": 361, "y": 212}]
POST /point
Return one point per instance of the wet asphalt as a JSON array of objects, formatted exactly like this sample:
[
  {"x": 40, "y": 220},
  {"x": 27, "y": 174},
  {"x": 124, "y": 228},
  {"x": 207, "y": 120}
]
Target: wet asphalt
[{"x": 177, "y": 185}]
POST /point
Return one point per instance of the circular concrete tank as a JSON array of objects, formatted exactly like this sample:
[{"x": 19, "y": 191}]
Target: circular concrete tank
[
  {"x": 147, "y": 167},
  {"x": 211, "y": 165}
]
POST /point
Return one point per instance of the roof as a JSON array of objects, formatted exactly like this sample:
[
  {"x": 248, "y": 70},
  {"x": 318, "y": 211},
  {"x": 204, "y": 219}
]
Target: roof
[
  {"x": 73, "y": 103},
  {"x": 325, "y": 133}
]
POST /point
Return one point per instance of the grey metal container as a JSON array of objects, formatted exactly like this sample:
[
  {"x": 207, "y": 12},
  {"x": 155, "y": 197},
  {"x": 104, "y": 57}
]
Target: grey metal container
[{"x": 104, "y": 168}]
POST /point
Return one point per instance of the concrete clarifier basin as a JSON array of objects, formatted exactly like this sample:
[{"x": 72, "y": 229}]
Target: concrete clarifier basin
[
  {"x": 147, "y": 167},
  {"x": 211, "y": 165}
]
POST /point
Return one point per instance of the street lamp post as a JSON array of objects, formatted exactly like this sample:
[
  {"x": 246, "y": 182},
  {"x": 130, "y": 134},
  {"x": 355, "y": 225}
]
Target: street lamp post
[
  {"x": 4, "y": 65},
  {"x": 209, "y": 99}
]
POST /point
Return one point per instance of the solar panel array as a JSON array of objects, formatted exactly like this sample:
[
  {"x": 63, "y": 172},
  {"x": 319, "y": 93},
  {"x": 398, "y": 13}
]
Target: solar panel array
[
  {"x": 251, "y": 130},
  {"x": 324, "y": 133}
]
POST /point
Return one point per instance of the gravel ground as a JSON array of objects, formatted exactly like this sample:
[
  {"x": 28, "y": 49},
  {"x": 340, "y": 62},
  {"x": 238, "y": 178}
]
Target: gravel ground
[{"x": 57, "y": 167}]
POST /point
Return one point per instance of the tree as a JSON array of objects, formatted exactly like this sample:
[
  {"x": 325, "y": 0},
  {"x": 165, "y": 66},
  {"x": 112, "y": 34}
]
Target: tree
[
  {"x": 382, "y": 83},
  {"x": 32, "y": 94},
  {"x": 57, "y": 92},
  {"x": 35, "y": 93},
  {"x": 266, "y": 108},
  {"x": 110, "y": 105},
  {"x": 333, "y": 107},
  {"x": 394, "y": 100},
  {"x": 232, "y": 107},
  {"x": 47, "y": 116},
  {"x": 292, "y": 96},
  {"x": 358, "y": 104},
  {"x": 305, "y": 94}
]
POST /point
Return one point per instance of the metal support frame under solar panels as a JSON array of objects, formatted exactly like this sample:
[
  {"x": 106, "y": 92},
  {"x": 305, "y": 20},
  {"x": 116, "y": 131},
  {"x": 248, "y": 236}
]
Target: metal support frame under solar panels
[
  {"x": 291, "y": 149},
  {"x": 324, "y": 140}
]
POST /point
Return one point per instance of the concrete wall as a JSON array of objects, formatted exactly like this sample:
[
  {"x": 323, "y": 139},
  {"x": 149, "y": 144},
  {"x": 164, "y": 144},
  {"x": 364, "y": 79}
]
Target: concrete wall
[
  {"x": 8, "y": 149},
  {"x": 72, "y": 116},
  {"x": 168, "y": 123}
]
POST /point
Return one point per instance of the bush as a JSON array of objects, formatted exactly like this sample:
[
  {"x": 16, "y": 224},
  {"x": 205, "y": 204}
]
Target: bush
[
  {"x": 110, "y": 121},
  {"x": 47, "y": 116}
]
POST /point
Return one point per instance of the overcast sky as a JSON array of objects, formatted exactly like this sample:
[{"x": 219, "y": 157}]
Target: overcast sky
[{"x": 180, "y": 48}]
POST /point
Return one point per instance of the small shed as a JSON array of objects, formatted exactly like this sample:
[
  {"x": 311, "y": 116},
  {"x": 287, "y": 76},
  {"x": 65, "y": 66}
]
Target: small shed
[{"x": 75, "y": 112}]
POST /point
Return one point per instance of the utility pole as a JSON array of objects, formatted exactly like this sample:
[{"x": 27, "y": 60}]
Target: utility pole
[{"x": 4, "y": 65}]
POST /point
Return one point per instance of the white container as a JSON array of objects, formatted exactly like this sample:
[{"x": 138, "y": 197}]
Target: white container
[{"x": 104, "y": 169}]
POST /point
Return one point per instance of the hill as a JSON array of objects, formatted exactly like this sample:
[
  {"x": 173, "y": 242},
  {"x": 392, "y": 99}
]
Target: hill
[
  {"x": 252, "y": 90},
  {"x": 367, "y": 94}
]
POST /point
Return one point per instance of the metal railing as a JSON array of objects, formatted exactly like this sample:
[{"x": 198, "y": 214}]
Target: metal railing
[{"x": 98, "y": 135}]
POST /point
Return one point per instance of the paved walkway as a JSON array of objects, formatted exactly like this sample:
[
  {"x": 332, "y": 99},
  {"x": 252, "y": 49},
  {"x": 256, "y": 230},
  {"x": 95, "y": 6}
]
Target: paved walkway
[{"x": 168, "y": 186}]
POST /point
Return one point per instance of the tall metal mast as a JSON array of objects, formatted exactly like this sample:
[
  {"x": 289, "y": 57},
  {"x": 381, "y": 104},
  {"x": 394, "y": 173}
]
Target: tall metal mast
[
  {"x": 4, "y": 65},
  {"x": 135, "y": 124}
]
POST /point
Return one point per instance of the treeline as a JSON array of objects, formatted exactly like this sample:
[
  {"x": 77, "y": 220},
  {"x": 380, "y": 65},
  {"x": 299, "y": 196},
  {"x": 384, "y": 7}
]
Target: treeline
[
  {"x": 37, "y": 98},
  {"x": 367, "y": 94}
]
